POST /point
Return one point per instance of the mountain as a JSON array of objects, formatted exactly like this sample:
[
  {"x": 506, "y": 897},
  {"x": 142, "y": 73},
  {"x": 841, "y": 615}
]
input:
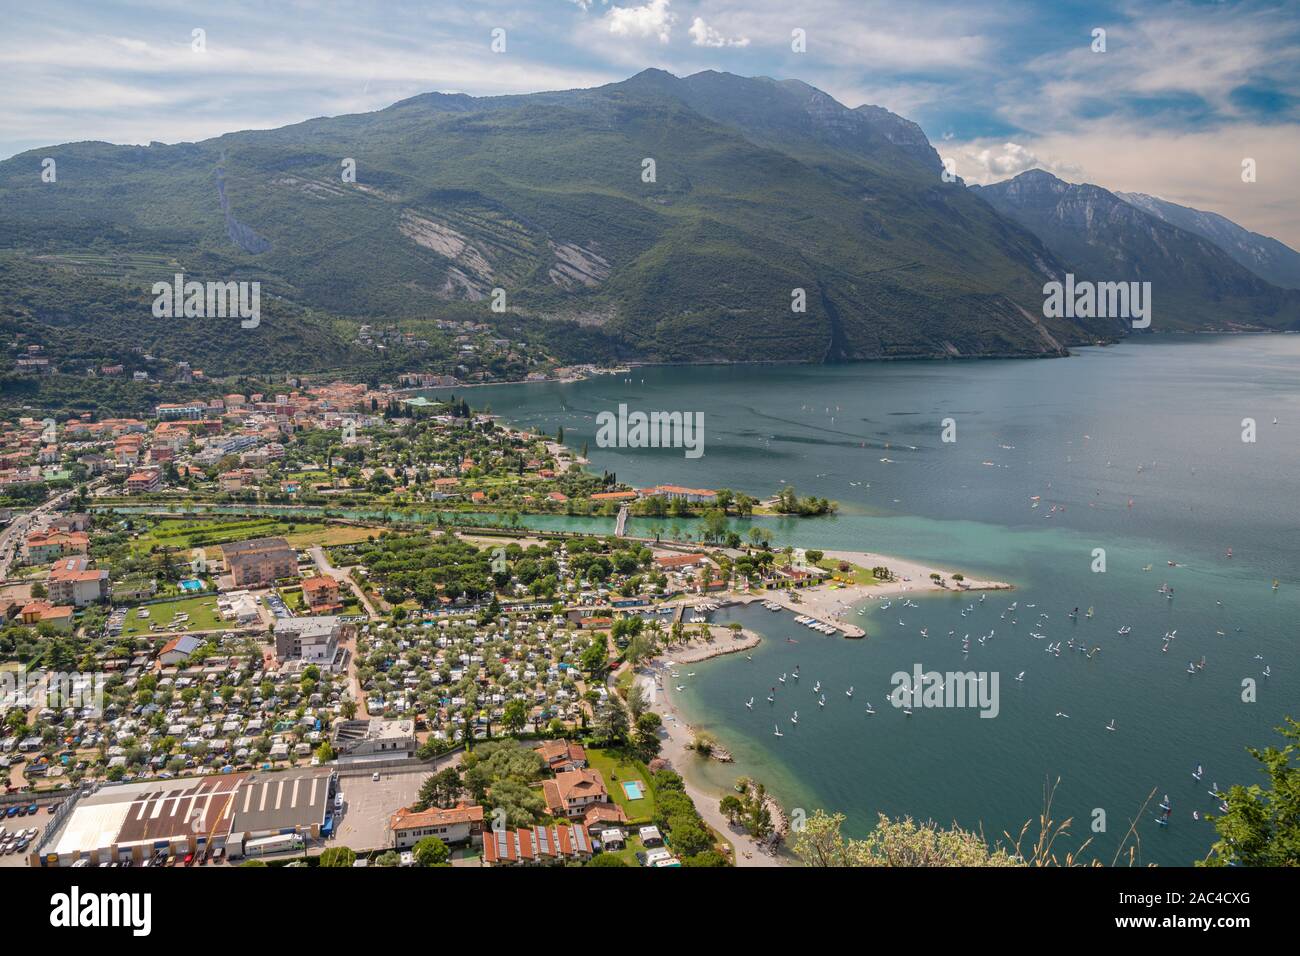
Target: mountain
[
  {"x": 1269, "y": 259},
  {"x": 761, "y": 187},
  {"x": 1194, "y": 283}
]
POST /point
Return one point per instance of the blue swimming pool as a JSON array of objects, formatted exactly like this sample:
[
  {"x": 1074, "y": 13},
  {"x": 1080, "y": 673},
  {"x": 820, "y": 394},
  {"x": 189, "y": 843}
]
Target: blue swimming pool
[
  {"x": 633, "y": 789},
  {"x": 191, "y": 584}
]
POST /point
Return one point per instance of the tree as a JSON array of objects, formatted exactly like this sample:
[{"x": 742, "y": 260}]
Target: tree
[
  {"x": 388, "y": 858},
  {"x": 710, "y": 857},
  {"x": 431, "y": 852},
  {"x": 637, "y": 701},
  {"x": 612, "y": 722},
  {"x": 438, "y": 790},
  {"x": 731, "y": 807},
  {"x": 1261, "y": 826},
  {"x": 594, "y": 657},
  {"x": 646, "y": 739},
  {"x": 607, "y": 859},
  {"x": 894, "y": 843},
  {"x": 338, "y": 856},
  {"x": 516, "y": 715},
  {"x": 688, "y": 835}
]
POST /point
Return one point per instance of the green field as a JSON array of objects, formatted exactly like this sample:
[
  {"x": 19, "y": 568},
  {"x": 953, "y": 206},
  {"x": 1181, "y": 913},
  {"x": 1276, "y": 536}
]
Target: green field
[
  {"x": 184, "y": 534},
  {"x": 202, "y": 611}
]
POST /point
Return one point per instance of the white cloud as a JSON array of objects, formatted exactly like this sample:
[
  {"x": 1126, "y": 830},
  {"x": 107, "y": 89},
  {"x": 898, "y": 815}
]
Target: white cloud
[
  {"x": 704, "y": 35},
  {"x": 652, "y": 19},
  {"x": 984, "y": 164}
]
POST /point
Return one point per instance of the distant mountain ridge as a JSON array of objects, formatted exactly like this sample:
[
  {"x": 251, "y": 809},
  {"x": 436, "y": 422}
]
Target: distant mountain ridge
[
  {"x": 1196, "y": 284},
  {"x": 704, "y": 218},
  {"x": 1271, "y": 260},
  {"x": 761, "y": 188}
]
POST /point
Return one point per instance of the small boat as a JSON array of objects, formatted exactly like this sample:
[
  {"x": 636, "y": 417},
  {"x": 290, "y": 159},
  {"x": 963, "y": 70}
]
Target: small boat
[
  {"x": 817, "y": 687},
  {"x": 1124, "y": 630},
  {"x": 781, "y": 678},
  {"x": 870, "y": 710},
  {"x": 777, "y": 731},
  {"x": 822, "y": 701},
  {"x": 1089, "y": 614},
  {"x": 795, "y": 718},
  {"x": 1196, "y": 774},
  {"x": 1020, "y": 676},
  {"x": 750, "y": 703},
  {"x": 849, "y": 692},
  {"x": 1111, "y": 725}
]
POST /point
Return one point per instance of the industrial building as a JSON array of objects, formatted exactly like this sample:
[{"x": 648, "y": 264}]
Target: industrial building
[{"x": 216, "y": 814}]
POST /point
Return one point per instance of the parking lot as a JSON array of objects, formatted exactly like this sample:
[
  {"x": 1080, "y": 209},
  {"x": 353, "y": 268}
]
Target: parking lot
[
  {"x": 368, "y": 805},
  {"x": 16, "y": 824}
]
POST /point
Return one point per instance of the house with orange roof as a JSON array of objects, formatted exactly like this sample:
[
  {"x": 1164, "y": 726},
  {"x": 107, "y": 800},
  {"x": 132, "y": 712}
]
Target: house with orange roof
[
  {"x": 144, "y": 481},
  {"x": 462, "y": 823},
  {"x": 321, "y": 594},
  {"x": 42, "y": 612},
  {"x": 532, "y": 846},
  {"x": 562, "y": 755},
  {"x": 573, "y": 792}
]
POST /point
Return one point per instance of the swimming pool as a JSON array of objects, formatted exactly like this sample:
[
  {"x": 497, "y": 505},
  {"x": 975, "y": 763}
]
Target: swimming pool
[
  {"x": 633, "y": 789},
  {"x": 191, "y": 584}
]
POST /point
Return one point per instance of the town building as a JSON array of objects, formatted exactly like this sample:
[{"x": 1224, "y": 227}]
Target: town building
[
  {"x": 260, "y": 561},
  {"x": 537, "y": 845},
  {"x": 561, "y": 755},
  {"x": 573, "y": 791},
  {"x": 462, "y": 823},
  {"x": 75, "y": 581},
  {"x": 321, "y": 594},
  {"x": 376, "y": 738},
  {"x": 310, "y": 639}
]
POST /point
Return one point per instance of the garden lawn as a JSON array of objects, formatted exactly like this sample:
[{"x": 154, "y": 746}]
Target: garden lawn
[
  {"x": 202, "y": 611},
  {"x": 614, "y": 769}
]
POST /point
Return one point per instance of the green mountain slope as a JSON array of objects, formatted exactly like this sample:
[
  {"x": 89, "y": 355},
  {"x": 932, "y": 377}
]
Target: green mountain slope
[{"x": 761, "y": 187}]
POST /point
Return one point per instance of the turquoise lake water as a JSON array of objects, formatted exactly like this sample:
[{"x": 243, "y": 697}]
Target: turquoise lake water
[{"x": 1156, "y": 423}]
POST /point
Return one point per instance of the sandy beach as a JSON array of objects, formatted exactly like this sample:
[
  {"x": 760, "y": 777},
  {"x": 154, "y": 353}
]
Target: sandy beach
[{"x": 676, "y": 737}]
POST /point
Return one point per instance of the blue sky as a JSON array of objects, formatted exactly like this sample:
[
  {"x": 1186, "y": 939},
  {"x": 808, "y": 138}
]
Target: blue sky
[{"x": 1182, "y": 94}]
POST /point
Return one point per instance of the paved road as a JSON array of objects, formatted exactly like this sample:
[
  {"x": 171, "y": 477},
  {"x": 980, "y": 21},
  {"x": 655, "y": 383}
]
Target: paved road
[
  {"x": 324, "y": 567},
  {"x": 11, "y": 539},
  {"x": 350, "y": 646}
]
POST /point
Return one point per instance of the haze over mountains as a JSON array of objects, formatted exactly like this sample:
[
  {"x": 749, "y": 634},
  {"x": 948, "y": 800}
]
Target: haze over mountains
[{"x": 761, "y": 187}]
